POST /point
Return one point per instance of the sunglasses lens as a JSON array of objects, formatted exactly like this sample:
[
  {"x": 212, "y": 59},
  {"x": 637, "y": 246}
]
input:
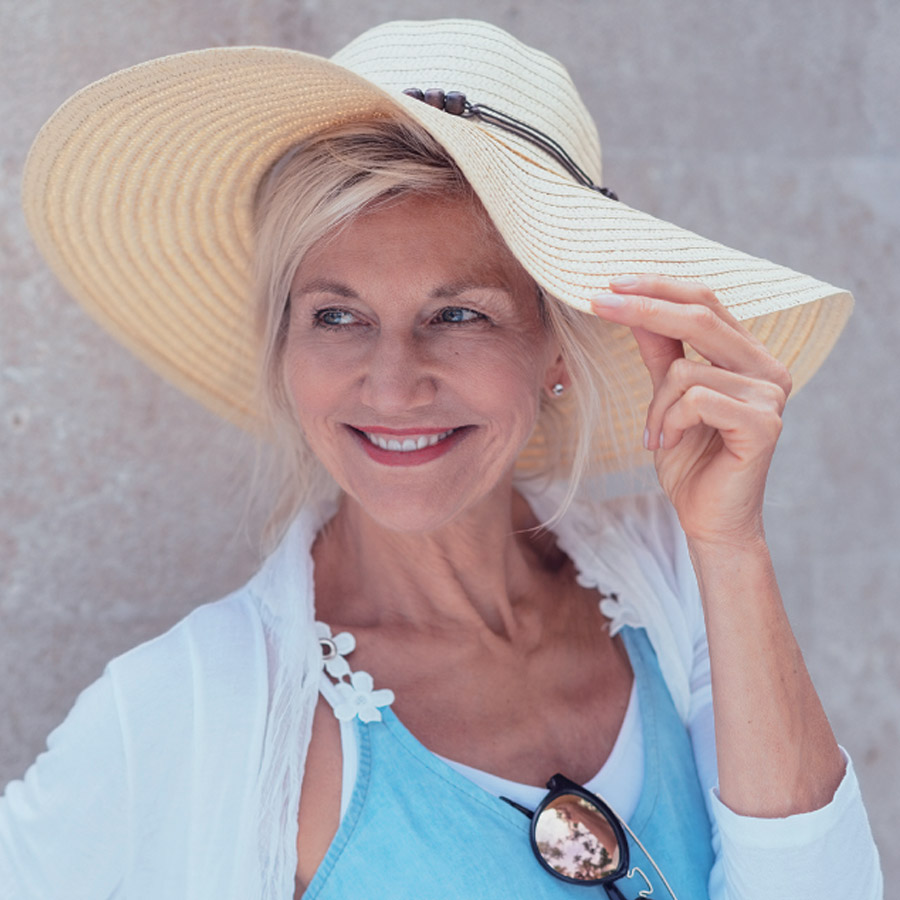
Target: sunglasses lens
[{"x": 576, "y": 839}]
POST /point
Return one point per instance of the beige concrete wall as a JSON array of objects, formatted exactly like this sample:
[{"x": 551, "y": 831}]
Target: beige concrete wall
[{"x": 769, "y": 125}]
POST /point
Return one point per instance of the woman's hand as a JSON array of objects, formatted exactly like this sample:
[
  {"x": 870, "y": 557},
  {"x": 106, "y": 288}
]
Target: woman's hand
[{"x": 712, "y": 425}]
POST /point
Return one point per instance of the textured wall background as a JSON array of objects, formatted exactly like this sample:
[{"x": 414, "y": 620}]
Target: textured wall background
[{"x": 771, "y": 126}]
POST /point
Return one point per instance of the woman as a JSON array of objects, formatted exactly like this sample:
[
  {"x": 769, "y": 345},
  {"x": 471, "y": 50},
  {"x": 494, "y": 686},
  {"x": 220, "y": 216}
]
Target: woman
[{"x": 451, "y": 318}]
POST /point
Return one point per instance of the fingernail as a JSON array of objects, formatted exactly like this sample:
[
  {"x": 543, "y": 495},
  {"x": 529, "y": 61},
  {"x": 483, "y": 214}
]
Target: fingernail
[
  {"x": 646, "y": 438},
  {"x": 624, "y": 281},
  {"x": 662, "y": 443},
  {"x": 609, "y": 300}
]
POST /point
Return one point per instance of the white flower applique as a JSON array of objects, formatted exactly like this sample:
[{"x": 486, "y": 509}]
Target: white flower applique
[
  {"x": 334, "y": 649},
  {"x": 354, "y": 689}
]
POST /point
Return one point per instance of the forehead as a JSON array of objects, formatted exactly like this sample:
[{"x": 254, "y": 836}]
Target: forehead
[{"x": 418, "y": 238}]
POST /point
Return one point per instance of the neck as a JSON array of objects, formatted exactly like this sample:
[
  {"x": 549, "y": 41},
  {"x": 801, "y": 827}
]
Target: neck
[{"x": 475, "y": 573}]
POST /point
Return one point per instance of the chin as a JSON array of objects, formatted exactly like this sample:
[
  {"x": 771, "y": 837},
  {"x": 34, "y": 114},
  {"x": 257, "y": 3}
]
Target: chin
[
  {"x": 410, "y": 515},
  {"x": 406, "y": 510}
]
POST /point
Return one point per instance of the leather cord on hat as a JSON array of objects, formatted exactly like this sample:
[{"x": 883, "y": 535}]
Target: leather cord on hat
[{"x": 455, "y": 103}]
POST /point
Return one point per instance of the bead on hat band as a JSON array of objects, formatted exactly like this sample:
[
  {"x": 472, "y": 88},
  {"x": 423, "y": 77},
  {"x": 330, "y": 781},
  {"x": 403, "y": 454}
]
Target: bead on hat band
[{"x": 455, "y": 103}]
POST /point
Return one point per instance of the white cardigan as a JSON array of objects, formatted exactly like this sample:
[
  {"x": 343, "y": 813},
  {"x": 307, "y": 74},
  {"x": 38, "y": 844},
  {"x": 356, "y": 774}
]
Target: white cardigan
[{"x": 177, "y": 773}]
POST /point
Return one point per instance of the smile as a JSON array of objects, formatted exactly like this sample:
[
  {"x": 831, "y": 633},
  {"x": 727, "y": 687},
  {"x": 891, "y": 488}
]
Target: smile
[
  {"x": 408, "y": 447},
  {"x": 407, "y": 443}
]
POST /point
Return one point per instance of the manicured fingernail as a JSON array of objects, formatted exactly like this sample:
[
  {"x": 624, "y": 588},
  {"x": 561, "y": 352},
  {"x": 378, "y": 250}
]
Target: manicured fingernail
[
  {"x": 609, "y": 300},
  {"x": 624, "y": 281},
  {"x": 646, "y": 438},
  {"x": 662, "y": 442}
]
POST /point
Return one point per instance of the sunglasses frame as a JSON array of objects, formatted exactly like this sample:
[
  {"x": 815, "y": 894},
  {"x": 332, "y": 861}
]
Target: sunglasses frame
[{"x": 559, "y": 786}]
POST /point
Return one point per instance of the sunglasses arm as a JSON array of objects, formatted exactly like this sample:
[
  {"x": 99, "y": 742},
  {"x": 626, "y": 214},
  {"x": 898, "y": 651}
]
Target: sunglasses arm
[{"x": 522, "y": 809}]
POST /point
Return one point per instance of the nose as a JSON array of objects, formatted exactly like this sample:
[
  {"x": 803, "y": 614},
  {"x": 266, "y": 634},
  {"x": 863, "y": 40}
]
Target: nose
[{"x": 397, "y": 377}]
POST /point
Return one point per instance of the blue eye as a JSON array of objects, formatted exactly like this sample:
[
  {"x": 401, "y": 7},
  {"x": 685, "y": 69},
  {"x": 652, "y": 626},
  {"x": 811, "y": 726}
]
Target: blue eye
[
  {"x": 332, "y": 318},
  {"x": 457, "y": 315}
]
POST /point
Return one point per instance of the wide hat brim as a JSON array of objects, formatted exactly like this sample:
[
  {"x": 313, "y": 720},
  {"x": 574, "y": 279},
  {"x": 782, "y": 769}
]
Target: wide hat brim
[{"x": 140, "y": 189}]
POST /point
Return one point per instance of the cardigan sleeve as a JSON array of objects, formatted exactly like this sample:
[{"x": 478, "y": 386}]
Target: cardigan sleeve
[
  {"x": 149, "y": 788},
  {"x": 63, "y": 829}
]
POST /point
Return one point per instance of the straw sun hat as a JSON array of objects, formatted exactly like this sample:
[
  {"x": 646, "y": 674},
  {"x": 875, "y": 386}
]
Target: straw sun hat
[{"x": 139, "y": 192}]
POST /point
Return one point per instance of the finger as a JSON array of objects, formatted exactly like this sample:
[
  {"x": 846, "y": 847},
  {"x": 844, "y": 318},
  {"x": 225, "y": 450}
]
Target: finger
[
  {"x": 747, "y": 430},
  {"x": 721, "y": 342},
  {"x": 658, "y": 353},
  {"x": 678, "y": 290},
  {"x": 683, "y": 374}
]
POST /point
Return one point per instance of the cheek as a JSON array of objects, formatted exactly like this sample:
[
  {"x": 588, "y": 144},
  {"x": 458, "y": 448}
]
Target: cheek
[
  {"x": 295, "y": 374},
  {"x": 509, "y": 381},
  {"x": 309, "y": 385}
]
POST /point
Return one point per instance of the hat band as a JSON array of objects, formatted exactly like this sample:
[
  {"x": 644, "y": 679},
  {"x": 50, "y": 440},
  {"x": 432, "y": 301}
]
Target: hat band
[{"x": 455, "y": 103}]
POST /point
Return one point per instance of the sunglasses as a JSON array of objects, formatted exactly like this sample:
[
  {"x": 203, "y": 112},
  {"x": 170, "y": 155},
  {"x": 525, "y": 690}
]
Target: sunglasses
[{"x": 578, "y": 838}]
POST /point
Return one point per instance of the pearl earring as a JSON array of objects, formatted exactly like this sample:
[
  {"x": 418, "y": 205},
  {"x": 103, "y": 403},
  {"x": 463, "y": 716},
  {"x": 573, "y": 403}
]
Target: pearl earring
[{"x": 557, "y": 389}]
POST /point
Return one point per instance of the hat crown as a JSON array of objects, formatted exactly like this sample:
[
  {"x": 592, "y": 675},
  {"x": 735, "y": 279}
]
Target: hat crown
[{"x": 489, "y": 66}]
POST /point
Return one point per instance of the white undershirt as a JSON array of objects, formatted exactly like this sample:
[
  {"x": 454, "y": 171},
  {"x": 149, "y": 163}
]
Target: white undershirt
[{"x": 618, "y": 782}]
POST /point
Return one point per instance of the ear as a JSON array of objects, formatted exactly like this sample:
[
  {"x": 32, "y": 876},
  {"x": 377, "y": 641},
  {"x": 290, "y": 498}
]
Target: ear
[{"x": 557, "y": 374}]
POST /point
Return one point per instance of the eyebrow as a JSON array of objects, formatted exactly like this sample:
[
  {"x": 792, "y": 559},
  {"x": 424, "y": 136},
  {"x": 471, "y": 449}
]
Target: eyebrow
[
  {"x": 461, "y": 287},
  {"x": 326, "y": 286}
]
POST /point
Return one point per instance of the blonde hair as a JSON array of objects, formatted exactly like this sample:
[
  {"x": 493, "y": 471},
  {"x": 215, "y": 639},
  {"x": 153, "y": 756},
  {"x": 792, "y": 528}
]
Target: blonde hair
[{"x": 318, "y": 188}]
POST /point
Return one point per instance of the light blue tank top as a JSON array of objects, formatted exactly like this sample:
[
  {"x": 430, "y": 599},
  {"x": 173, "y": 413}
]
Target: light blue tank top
[{"x": 416, "y": 829}]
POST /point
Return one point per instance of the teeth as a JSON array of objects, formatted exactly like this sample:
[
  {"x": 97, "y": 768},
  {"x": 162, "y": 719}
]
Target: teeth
[{"x": 409, "y": 443}]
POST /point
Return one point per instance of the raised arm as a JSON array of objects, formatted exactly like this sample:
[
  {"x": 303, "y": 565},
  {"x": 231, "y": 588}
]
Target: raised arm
[{"x": 713, "y": 426}]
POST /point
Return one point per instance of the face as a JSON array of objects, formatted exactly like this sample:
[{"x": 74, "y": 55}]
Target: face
[{"x": 416, "y": 356}]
